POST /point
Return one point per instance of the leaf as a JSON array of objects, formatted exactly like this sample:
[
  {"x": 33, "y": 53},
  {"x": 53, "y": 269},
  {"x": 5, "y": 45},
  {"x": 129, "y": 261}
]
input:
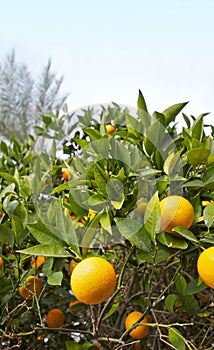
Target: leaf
[
  {"x": 194, "y": 288},
  {"x": 134, "y": 232},
  {"x": 191, "y": 305},
  {"x": 170, "y": 302},
  {"x": 172, "y": 164},
  {"x": 197, "y": 156},
  {"x": 9, "y": 178},
  {"x": 176, "y": 339},
  {"x": 198, "y": 128},
  {"x": 6, "y": 235},
  {"x": 171, "y": 112},
  {"x": 93, "y": 133},
  {"x": 55, "y": 278},
  {"x": 53, "y": 250},
  {"x": 171, "y": 241},
  {"x": 90, "y": 233},
  {"x": 180, "y": 286},
  {"x": 101, "y": 178},
  {"x": 141, "y": 103},
  {"x": 7, "y": 190},
  {"x": 111, "y": 311},
  {"x": 184, "y": 232},
  {"x": 208, "y": 214},
  {"x": 128, "y": 227},
  {"x": 45, "y": 233},
  {"x": 17, "y": 227},
  {"x": 152, "y": 217}
]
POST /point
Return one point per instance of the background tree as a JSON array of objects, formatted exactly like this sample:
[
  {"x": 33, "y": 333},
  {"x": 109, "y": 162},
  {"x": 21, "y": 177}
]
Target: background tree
[{"x": 23, "y": 99}]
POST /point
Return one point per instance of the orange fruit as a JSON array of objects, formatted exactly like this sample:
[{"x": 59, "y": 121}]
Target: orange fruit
[
  {"x": 37, "y": 262},
  {"x": 175, "y": 211},
  {"x": 97, "y": 345},
  {"x": 33, "y": 285},
  {"x": 138, "y": 346},
  {"x": 73, "y": 303},
  {"x": 55, "y": 318},
  {"x": 140, "y": 331},
  {"x": 72, "y": 265},
  {"x": 205, "y": 266},
  {"x": 1, "y": 263},
  {"x": 110, "y": 129},
  {"x": 93, "y": 280},
  {"x": 65, "y": 174},
  {"x": 1, "y": 214}
]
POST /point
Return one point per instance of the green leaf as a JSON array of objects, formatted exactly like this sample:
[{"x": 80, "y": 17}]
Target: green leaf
[
  {"x": 90, "y": 233},
  {"x": 111, "y": 311},
  {"x": 152, "y": 217},
  {"x": 128, "y": 227},
  {"x": 9, "y": 178},
  {"x": 172, "y": 164},
  {"x": 171, "y": 241},
  {"x": 6, "y": 235},
  {"x": 134, "y": 232},
  {"x": 180, "y": 286},
  {"x": 184, "y": 232},
  {"x": 191, "y": 305},
  {"x": 197, "y": 156},
  {"x": 194, "y": 288},
  {"x": 171, "y": 112},
  {"x": 141, "y": 103},
  {"x": 53, "y": 250},
  {"x": 176, "y": 339},
  {"x": 71, "y": 345},
  {"x": 93, "y": 133},
  {"x": 17, "y": 227},
  {"x": 45, "y": 233},
  {"x": 101, "y": 178},
  {"x": 170, "y": 302},
  {"x": 198, "y": 128},
  {"x": 55, "y": 278},
  {"x": 208, "y": 214},
  {"x": 7, "y": 190}
]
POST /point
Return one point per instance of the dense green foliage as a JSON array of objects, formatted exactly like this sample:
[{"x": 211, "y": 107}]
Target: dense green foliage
[{"x": 119, "y": 179}]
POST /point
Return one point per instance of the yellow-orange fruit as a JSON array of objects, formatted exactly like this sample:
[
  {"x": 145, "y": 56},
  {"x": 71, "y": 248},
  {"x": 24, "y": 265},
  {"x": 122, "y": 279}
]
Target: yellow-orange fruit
[
  {"x": 93, "y": 280},
  {"x": 1, "y": 263},
  {"x": 33, "y": 285},
  {"x": 110, "y": 129},
  {"x": 65, "y": 174},
  {"x": 73, "y": 303},
  {"x": 55, "y": 318},
  {"x": 175, "y": 211},
  {"x": 37, "y": 262},
  {"x": 140, "y": 331},
  {"x": 205, "y": 266}
]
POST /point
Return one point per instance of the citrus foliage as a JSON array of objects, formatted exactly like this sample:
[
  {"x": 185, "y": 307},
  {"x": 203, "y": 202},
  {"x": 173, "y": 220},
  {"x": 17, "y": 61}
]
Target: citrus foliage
[{"x": 107, "y": 206}]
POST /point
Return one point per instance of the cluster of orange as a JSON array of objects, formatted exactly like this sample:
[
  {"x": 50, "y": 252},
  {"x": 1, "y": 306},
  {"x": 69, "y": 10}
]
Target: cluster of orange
[{"x": 93, "y": 280}]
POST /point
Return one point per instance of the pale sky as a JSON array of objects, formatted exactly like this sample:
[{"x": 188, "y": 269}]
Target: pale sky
[{"x": 108, "y": 50}]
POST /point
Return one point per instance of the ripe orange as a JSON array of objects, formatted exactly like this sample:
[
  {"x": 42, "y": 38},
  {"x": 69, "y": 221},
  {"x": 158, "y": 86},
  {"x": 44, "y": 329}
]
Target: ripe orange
[
  {"x": 73, "y": 303},
  {"x": 205, "y": 266},
  {"x": 93, "y": 280},
  {"x": 110, "y": 129},
  {"x": 65, "y": 174},
  {"x": 55, "y": 318},
  {"x": 72, "y": 265},
  {"x": 33, "y": 285},
  {"x": 140, "y": 331},
  {"x": 138, "y": 346},
  {"x": 1, "y": 263},
  {"x": 1, "y": 214},
  {"x": 37, "y": 262},
  {"x": 175, "y": 211}
]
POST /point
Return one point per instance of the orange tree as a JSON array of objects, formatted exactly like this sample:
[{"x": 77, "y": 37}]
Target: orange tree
[{"x": 108, "y": 207}]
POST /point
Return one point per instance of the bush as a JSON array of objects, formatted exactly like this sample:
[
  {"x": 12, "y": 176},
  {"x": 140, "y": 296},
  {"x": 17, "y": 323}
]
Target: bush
[{"x": 107, "y": 205}]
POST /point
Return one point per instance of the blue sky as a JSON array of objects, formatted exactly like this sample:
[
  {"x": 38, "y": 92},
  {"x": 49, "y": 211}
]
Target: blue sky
[{"x": 107, "y": 50}]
